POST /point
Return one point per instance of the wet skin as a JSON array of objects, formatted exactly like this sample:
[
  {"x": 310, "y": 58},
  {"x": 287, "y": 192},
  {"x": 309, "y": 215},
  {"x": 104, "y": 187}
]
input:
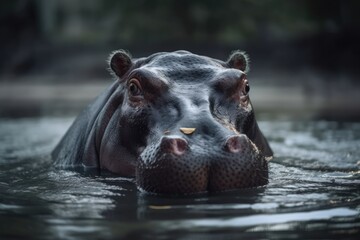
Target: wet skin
[{"x": 179, "y": 123}]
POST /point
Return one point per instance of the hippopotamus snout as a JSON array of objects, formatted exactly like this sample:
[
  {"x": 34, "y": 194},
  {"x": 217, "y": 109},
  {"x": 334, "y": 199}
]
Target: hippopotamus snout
[{"x": 177, "y": 165}]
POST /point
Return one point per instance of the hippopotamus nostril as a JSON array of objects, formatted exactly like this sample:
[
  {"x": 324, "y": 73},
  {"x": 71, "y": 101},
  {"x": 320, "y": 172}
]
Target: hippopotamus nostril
[
  {"x": 176, "y": 146},
  {"x": 236, "y": 143}
]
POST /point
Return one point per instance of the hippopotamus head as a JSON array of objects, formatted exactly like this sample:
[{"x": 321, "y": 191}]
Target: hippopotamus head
[{"x": 179, "y": 123}]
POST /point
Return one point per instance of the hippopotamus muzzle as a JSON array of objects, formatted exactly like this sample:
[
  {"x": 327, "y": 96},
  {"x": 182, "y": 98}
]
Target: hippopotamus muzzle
[
  {"x": 174, "y": 166},
  {"x": 179, "y": 123}
]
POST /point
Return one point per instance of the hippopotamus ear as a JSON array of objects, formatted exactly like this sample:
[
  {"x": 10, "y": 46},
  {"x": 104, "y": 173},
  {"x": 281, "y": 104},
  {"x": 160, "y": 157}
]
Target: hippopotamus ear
[
  {"x": 239, "y": 60},
  {"x": 120, "y": 62}
]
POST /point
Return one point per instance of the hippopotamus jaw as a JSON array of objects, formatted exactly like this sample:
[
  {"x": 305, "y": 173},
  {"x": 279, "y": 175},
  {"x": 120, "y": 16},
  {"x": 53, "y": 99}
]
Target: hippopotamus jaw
[{"x": 174, "y": 167}]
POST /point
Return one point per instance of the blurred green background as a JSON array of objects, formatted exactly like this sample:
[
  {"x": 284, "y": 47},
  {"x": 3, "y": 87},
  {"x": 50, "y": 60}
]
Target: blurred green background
[{"x": 304, "y": 54}]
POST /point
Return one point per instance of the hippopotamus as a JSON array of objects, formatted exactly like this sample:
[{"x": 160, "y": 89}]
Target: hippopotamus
[{"x": 177, "y": 122}]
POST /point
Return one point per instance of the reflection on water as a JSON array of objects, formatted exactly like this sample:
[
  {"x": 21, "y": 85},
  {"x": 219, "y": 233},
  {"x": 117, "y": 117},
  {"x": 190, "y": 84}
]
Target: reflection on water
[{"x": 313, "y": 191}]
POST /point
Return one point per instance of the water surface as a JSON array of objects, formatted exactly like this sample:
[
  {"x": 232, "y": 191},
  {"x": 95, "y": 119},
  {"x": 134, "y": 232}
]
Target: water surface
[{"x": 314, "y": 191}]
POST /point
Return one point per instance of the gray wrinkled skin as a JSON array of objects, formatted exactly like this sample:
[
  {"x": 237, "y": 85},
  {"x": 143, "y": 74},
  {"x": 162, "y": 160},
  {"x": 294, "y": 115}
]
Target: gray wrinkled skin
[{"x": 135, "y": 128}]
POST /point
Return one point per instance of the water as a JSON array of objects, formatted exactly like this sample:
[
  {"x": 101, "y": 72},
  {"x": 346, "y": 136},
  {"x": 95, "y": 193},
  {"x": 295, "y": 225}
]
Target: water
[{"x": 314, "y": 191}]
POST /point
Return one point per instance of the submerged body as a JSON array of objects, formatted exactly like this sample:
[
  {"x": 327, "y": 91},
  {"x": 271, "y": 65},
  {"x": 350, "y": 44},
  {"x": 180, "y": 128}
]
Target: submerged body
[{"x": 178, "y": 122}]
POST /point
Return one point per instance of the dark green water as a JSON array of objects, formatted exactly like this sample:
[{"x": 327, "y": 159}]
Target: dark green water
[{"x": 314, "y": 191}]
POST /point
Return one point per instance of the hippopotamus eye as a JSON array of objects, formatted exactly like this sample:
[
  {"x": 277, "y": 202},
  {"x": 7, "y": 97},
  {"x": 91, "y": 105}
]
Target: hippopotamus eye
[
  {"x": 134, "y": 87},
  {"x": 246, "y": 87}
]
